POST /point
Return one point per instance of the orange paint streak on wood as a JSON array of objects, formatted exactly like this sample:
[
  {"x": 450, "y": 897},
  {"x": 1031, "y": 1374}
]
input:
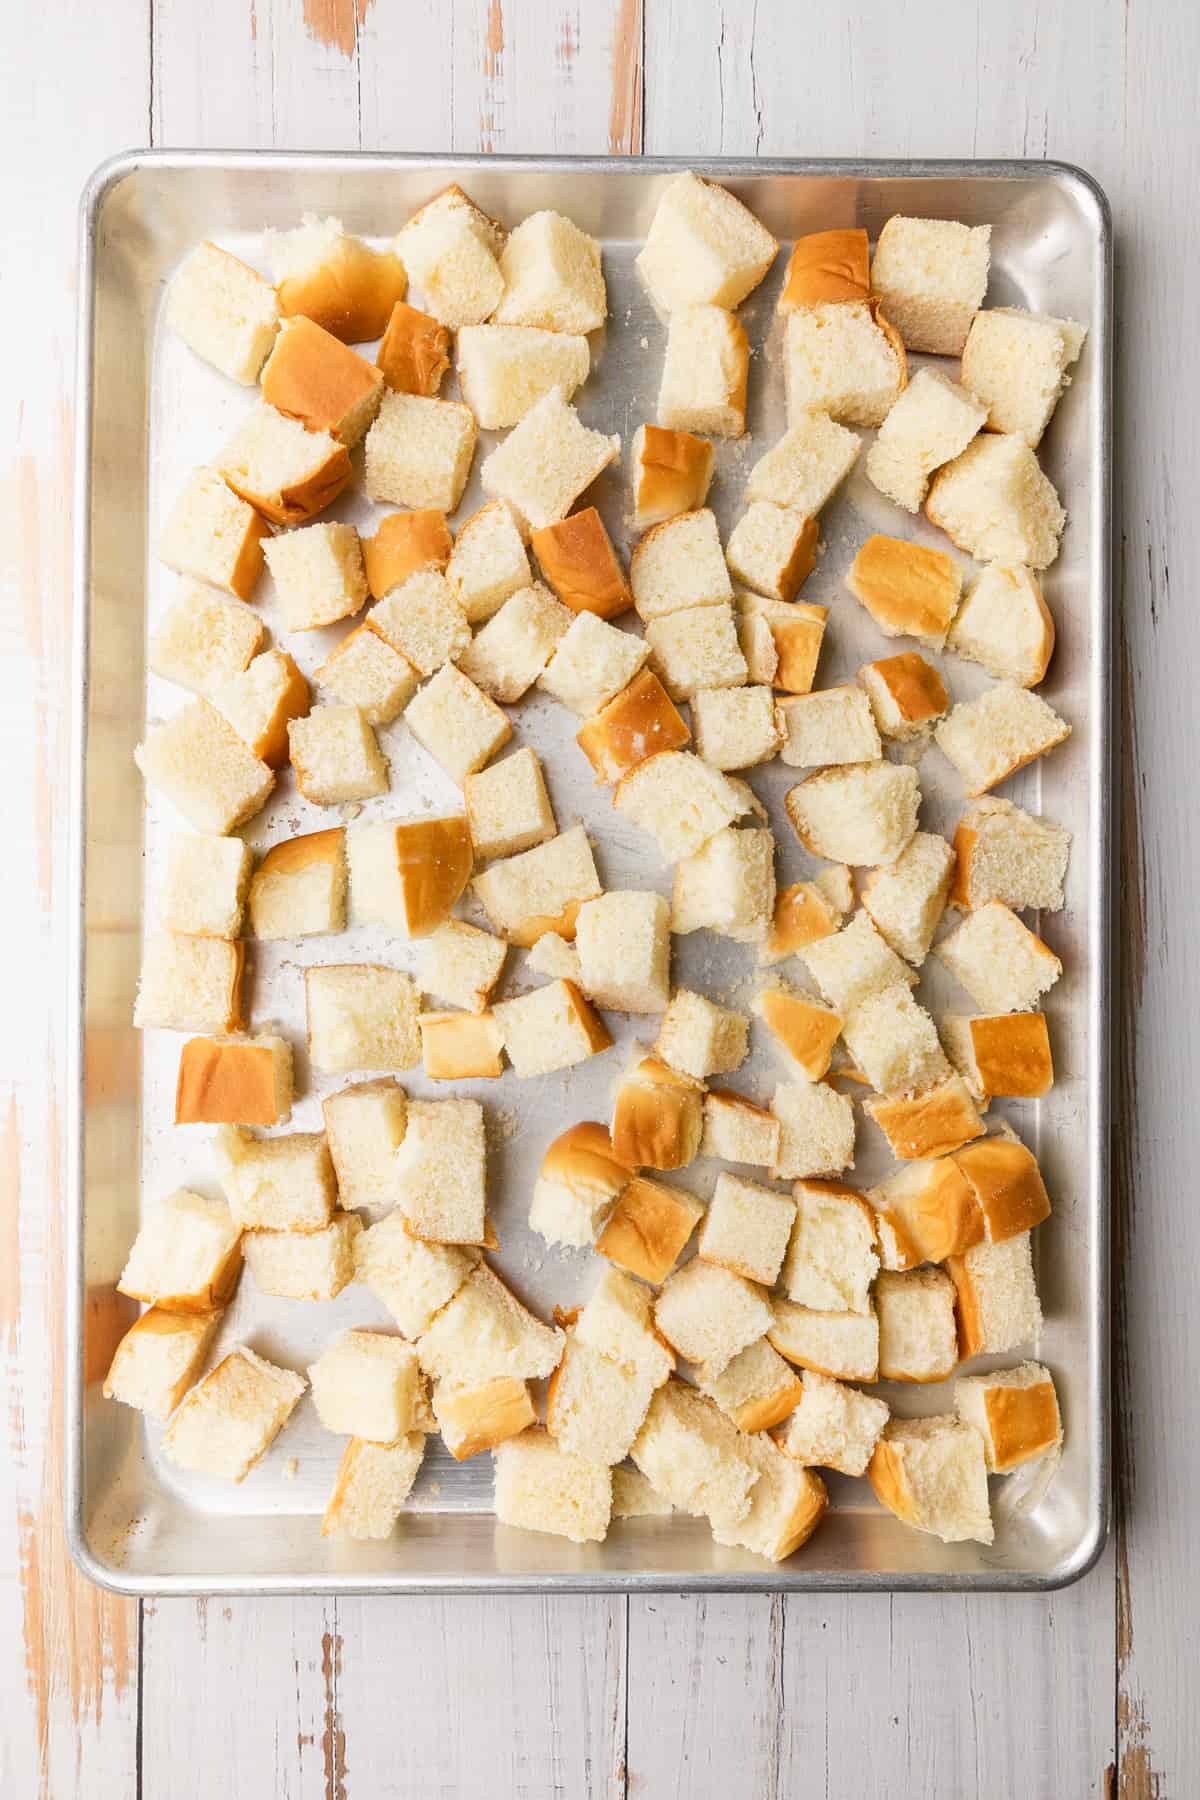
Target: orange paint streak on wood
[
  {"x": 335, "y": 23},
  {"x": 10, "y": 1225},
  {"x": 494, "y": 43},
  {"x": 333, "y": 1737},
  {"x": 625, "y": 106}
]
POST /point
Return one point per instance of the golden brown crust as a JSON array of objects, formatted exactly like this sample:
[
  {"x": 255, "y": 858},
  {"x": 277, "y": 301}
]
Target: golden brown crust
[
  {"x": 213, "y": 1296},
  {"x": 673, "y": 472},
  {"x": 896, "y": 343},
  {"x": 248, "y": 567},
  {"x": 493, "y": 232},
  {"x": 967, "y": 1306},
  {"x": 916, "y": 687},
  {"x": 802, "y": 916},
  {"x": 906, "y": 587},
  {"x": 798, "y": 642},
  {"x": 766, "y": 1410},
  {"x": 595, "y": 1030},
  {"x": 648, "y": 1229},
  {"x": 461, "y": 1046},
  {"x": 889, "y": 1478},
  {"x": 1023, "y": 1422},
  {"x": 800, "y": 563},
  {"x": 351, "y": 294},
  {"x": 1048, "y": 634},
  {"x": 225, "y": 1084},
  {"x": 656, "y": 1124},
  {"x": 806, "y": 1030},
  {"x": 584, "y": 1153},
  {"x": 415, "y": 352},
  {"x": 404, "y": 543},
  {"x": 434, "y": 860},
  {"x": 942, "y": 1119},
  {"x": 1007, "y": 1186},
  {"x": 310, "y": 375},
  {"x": 1012, "y": 1054},
  {"x": 965, "y": 839},
  {"x": 480, "y": 1418},
  {"x": 294, "y": 702},
  {"x": 301, "y": 499},
  {"x": 825, "y": 266},
  {"x": 806, "y": 1515},
  {"x": 295, "y": 854},
  {"x": 580, "y": 564},
  {"x": 526, "y": 934},
  {"x": 639, "y": 723},
  {"x": 939, "y": 1214}
]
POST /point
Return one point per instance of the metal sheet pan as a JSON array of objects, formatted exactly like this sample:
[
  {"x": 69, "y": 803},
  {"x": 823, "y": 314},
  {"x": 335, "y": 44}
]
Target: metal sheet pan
[{"x": 148, "y": 411}]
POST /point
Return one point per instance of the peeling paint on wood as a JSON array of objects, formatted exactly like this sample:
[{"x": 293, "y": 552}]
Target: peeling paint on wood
[
  {"x": 625, "y": 108},
  {"x": 335, "y": 23}
]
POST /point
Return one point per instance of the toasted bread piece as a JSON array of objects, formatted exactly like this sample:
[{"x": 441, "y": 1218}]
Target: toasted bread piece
[
  {"x": 364, "y": 1384},
  {"x": 365, "y": 671},
  {"x": 672, "y": 471},
  {"x": 1016, "y": 363},
  {"x": 592, "y": 663},
  {"x": 931, "y": 1473},
  {"x": 577, "y": 558},
  {"x": 1000, "y": 1053},
  {"x": 284, "y": 471},
  {"x": 228, "y": 1423},
  {"x": 932, "y": 1209},
  {"x": 234, "y": 1081},
  {"x": 1001, "y": 963},
  {"x": 618, "y": 1321},
  {"x": 214, "y": 535},
  {"x": 579, "y": 1183},
  {"x": 907, "y": 695},
  {"x": 658, "y": 1116},
  {"x": 624, "y": 945},
  {"x": 996, "y": 503},
  {"x": 408, "y": 874},
  {"x": 224, "y": 311},
  {"x": 414, "y": 352},
  {"x": 797, "y": 633},
  {"x": 311, "y": 376},
  {"x": 833, "y": 1426},
  {"x": 373, "y": 1482},
  {"x": 806, "y": 911},
  {"x": 998, "y": 1307},
  {"x": 461, "y": 1046},
  {"x": 441, "y": 1165},
  {"x": 403, "y": 544},
  {"x": 451, "y": 248},
  {"x": 746, "y": 1229},
  {"x": 700, "y": 1038},
  {"x": 475, "y": 1419},
  {"x": 552, "y": 1028},
  {"x": 262, "y": 701},
  {"x": 988, "y": 739},
  {"x": 736, "y": 727},
  {"x": 908, "y": 589},
  {"x": 931, "y": 276},
  {"x": 705, "y": 371},
  {"x": 703, "y": 245},
  {"x": 866, "y": 813},
  {"x": 1015, "y": 1411},
  {"x": 541, "y": 889},
  {"x": 335, "y": 279},
  {"x": 508, "y": 807},
  {"x": 156, "y": 1361},
  {"x": 805, "y": 1030},
  {"x": 640, "y": 722},
  {"x": 1007, "y": 1185},
  {"x": 648, "y": 1228},
  {"x": 933, "y": 1123},
  {"x": 299, "y": 887},
  {"x": 825, "y": 266},
  {"x": 1005, "y": 854},
  {"x": 757, "y": 1389},
  {"x": 318, "y": 573}
]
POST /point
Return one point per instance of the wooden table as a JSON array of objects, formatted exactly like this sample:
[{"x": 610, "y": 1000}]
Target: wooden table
[{"x": 1091, "y": 1691}]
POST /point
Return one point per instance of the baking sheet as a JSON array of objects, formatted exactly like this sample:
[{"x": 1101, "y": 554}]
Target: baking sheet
[{"x": 149, "y": 411}]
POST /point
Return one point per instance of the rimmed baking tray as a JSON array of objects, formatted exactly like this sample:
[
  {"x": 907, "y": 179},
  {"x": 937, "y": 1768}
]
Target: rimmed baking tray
[{"x": 148, "y": 411}]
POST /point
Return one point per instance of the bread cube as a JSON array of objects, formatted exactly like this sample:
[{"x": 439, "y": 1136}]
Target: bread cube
[
  {"x": 373, "y": 1482},
  {"x": 679, "y": 800},
  {"x": 1000, "y": 962},
  {"x": 931, "y": 1209},
  {"x": 423, "y": 621},
  {"x": 696, "y": 648},
  {"x": 412, "y": 1279},
  {"x": 738, "y": 1131},
  {"x": 988, "y": 739},
  {"x": 894, "y": 1042},
  {"x": 261, "y": 703},
  {"x": 460, "y": 1046},
  {"x": 284, "y": 471},
  {"x": 772, "y": 549},
  {"x": 700, "y": 1038},
  {"x": 508, "y": 654},
  {"x": 541, "y": 889},
  {"x": 806, "y": 467},
  {"x": 364, "y": 1127},
  {"x": 624, "y": 944},
  {"x": 639, "y": 723},
  {"x": 312, "y": 376},
  {"x": 205, "y": 889},
  {"x": 787, "y": 1505},
  {"x": 361, "y": 1016},
  {"x": 617, "y": 1321},
  {"x": 508, "y": 807},
  {"x": 833, "y": 1426},
  {"x": 299, "y": 887},
  {"x": 803, "y": 1029},
  {"x": 541, "y": 1487},
  {"x": 318, "y": 573},
  {"x": 228, "y": 1423},
  {"x": 930, "y": 276},
  {"x": 694, "y": 1456},
  {"x": 578, "y": 560},
  {"x": 451, "y": 250},
  {"x": 335, "y": 279},
  {"x": 703, "y": 245},
  {"x": 745, "y": 1230},
  {"x": 336, "y": 756},
  {"x": 488, "y": 562},
  {"x": 277, "y": 1183},
  {"x": 224, "y": 311},
  {"x": 827, "y": 265},
  {"x": 552, "y": 276},
  {"x": 364, "y": 1384},
  {"x": 907, "y": 900},
  {"x": 463, "y": 965},
  {"x": 756, "y": 1390},
  {"x": 472, "y": 1420},
  {"x": 816, "y": 1130},
  {"x": 707, "y": 1314},
  {"x": 844, "y": 359},
  {"x": 728, "y": 886},
  {"x": 909, "y": 590},
  {"x": 441, "y": 1168},
  {"x": 1005, "y": 625},
  {"x": 405, "y": 543},
  {"x": 658, "y": 1116},
  {"x": 1015, "y": 1411},
  {"x": 408, "y": 874},
  {"x": 797, "y": 632},
  {"x": 1008, "y": 855},
  {"x": 735, "y": 727},
  {"x": 197, "y": 761},
  {"x": 189, "y": 984},
  {"x": 552, "y": 1028},
  {"x": 648, "y": 1228},
  {"x": 365, "y": 671},
  {"x": 931, "y": 1473},
  {"x": 503, "y": 370},
  {"x": 186, "y": 1257},
  {"x": 995, "y": 502},
  {"x": 634, "y": 1498},
  {"x": 156, "y": 1361},
  {"x": 304, "y": 1265},
  {"x": 758, "y": 644},
  {"x": 1000, "y": 1053},
  {"x": 679, "y": 565},
  {"x": 932, "y": 1123},
  {"x": 594, "y": 1406},
  {"x": 833, "y": 725},
  {"x": 591, "y": 664},
  {"x": 484, "y": 1332},
  {"x": 214, "y": 536},
  {"x": 806, "y": 911},
  {"x": 932, "y": 422},
  {"x": 547, "y": 461},
  {"x": 672, "y": 471},
  {"x": 842, "y": 1345},
  {"x": 854, "y": 963},
  {"x": 553, "y": 957},
  {"x": 204, "y": 640},
  {"x": 918, "y": 1340},
  {"x": 1016, "y": 363},
  {"x": 831, "y": 1257},
  {"x": 866, "y": 813},
  {"x": 907, "y": 695},
  {"x": 705, "y": 371},
  {"x": 998, "y": 1307},
  {"x": 579, "y": 1181},
  {"x": 457, "y": 723},
  {"x": 419, "y": 451},
  {"x": 1006, "y": 1184},
  {"x": 414, "y": 353},
  {"x": 234, "y": 1082}
]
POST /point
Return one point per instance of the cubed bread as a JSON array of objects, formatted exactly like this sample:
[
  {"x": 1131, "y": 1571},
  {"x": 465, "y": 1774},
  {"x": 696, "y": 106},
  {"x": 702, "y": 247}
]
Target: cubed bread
[
  {"x": 908, "y": 589},
  {"x": 996, "y": 503},
  {"x": 156, "y": 1361},
  {"x": 907, "y": 695},
  {"x": 422, "y": 620},
  {"x": 617, "y": 1321},
  {"x": 746, "y": 1230},
  {"x": 451, "y": 249},
  {"x": 842, "y": 1345},
  {"x": 703, "y": 245},
  {"x": 335, "y": 279},
  {"x": 907, "y": 900},
  {"x": 507, "y": 655},
  {"x": 553, "y": 277},
  {"x": 757, "y": 1389},
  {"x": 463, "y": 965},
  {"x": 312, "y": 376},
  {"x": 189, "y": 984},
  {"x": 1001, "y": 963},
  {"x": 508, "y": 807},
  {"x": 365, "y": 671},
  {"x": 831, "y": 1258},
  {"x": 472, "y": 1420},
  {"x": 197, "y": 761},
  {"x": 998, "y": 1306},
  {"x": 728, "y": 886},
  {"x": 679, "y": 564},
  {"x": 419, "y": 451},
  {"x": 694, "y": 1456},
  {"x": 595, "y": 1406},
  {"x": 894, "y": 1042},
  {"x": 552, "y": 1028},
  {"x": 364, "y": 1127},
  {"x": 541, "y": 889},
  {"x": 833, "y": 725},
  {"x": 441, "y": 1168},
  {"x": 234, "y": 1081},
  {"x": 866, "y": 813},
  {"x": 933, "y": 1123},
  {"x": 186, "y": 1257},
  {"x": 542, "y": 1487},
  {"x": 361, "y": 1016},
  {"x": 706, "y": 1314},
  {"x": 1006, "y": 854},
  {"x": 214, "y": 535},
  {"x": 845, "y": 359},
  {"x": 931, "y": 1473},
  {"x": 299, "y": 887},
  {"x": 1005, "y": 1054},
  {"x": 284, "y": 471},
  {"x": 932, "y": 422},
  {"x": 409, "y": 1277},
  {"x": 825, "y": 266},
  {"x": 803, "y": 1029},
  {"x": 931, "y": 1209},
  {"x": 918, "y": 1340},
  {"x": 797, "y": 632},
  {"x": 484, "y": 1332},
  {"x": 806, "y": 911},
  {"x": 579, "y": 1181},
  {"x": 786, "y": 1506},
  {"x": 364, "y": 1384},
  {"x": 736, "y": 727},
  {"x": 1015, "y": 362},
  {"x": 373, "y": 1482},
  {"x": 414, "y": 352},
  {"x": 735, "y": 1130},
  {"x": 318, "y": 573},
  {"x": 592, "y": 663},
  {"x": 577, "y": 558},
  {"x": 457, "y": 723},
  {"x": 229, "y": 1421},
  {"x": 988, "y": 739},
  {"x": 624, "y": 945},
  {"x": 705, "y": 371},
  {"x": 658, "y": 1116},
  {"x": 1015, "y": 1412},
  {"x": 930, "y": 276},
  {"x": 816, "y": 1135},
  {"x": 672, "y": 471},
  {"x": 204, "y": 640},
  {"x": 461, "y": 1046},
  {"x": 696, "y": 648},
  {"x": 853, "y": 963},
  {"x": 679, "y": 800},
  {"x": 1005, "y": 624},
  {"x": 648, "y": 1228},
  {"x": 408, "y": 874},
  {"x": 403, "y": 544},
  {"x": 700, "y": 1038},
  {"x": 758, "y": 645},
  {"x": 281, "y": 1183},
  {"x": 553, "y": 957},
  {"x": 488, "y": 562},
  {"x": 336, "y": 756},
  {"x": 807, "y": 466},
  {"x": 1006, "y": 1184},
  {"x": 304, "y": 1265},
  {"x": 547, "y": 461},
  {"x": 639, "y": 723},
  {"x": 772, "y": 549},
  {"x": 205, "y": 890},
  {"x": 261, "y": 703},
  {"x": 503, "y": 370},
  {"x": 224, "y": 311},
  {"x": 833, "y": 1426}
]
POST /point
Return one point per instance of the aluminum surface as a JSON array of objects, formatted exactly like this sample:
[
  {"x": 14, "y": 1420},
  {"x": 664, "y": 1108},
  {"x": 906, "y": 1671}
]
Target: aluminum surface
[{"x": 148, "y": 411}]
